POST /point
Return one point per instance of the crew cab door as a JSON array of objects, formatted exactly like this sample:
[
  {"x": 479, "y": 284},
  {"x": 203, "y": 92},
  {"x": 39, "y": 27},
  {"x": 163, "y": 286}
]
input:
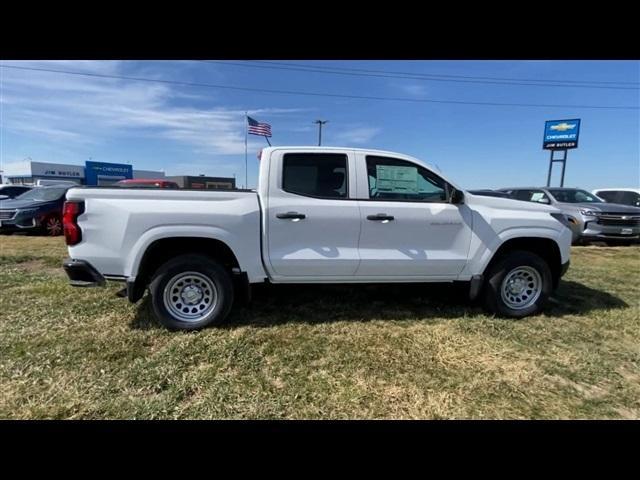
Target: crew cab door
[
  {"x": 312, "y": 223},
  {"x": 409, "y": 228}
]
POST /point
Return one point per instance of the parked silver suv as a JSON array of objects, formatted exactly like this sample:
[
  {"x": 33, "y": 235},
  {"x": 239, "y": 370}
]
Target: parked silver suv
[
  {"x": 590, "y": 218},
  {"x": 623, "y": 196}
]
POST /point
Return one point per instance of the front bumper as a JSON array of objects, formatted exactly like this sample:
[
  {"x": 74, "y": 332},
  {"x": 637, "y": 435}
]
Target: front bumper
[
  {"x": 595, "y": 231},
  {"x": 19, "y": 224},
  {"x": 82, "y": 274}
]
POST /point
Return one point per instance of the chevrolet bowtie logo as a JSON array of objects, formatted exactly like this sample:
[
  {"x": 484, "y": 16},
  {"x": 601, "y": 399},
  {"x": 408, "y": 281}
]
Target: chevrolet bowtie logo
[{"x": 562, "y": 127}]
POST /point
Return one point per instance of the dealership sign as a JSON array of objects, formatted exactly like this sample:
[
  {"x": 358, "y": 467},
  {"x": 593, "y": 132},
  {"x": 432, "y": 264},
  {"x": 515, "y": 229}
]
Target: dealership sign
[
  {"x": 98, "y": 172},
  {"x": 39, "y": 169},
  {"x": 561, "y": 134}
]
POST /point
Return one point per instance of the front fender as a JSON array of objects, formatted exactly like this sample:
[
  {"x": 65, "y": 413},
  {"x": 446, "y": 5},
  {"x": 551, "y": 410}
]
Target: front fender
[{"x": 485, "y": 245}]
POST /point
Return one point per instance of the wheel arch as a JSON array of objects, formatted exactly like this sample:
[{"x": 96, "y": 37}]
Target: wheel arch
[
  {"x": 544, "y": 247},
  {"x": 163, "y": 249}
]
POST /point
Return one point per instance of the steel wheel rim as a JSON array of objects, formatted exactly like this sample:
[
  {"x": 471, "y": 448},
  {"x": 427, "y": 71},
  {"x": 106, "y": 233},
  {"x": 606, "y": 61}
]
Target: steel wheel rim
[
  {"x": 190, "y": 296},
  {"x": 54, "y": 227},
  {"x": 521, "y": 288}
]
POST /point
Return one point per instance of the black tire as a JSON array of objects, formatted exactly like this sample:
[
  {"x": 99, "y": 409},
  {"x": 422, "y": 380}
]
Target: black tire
[
  {"x": 204, "y": 266},
  {"x": 493, "y": 299}
]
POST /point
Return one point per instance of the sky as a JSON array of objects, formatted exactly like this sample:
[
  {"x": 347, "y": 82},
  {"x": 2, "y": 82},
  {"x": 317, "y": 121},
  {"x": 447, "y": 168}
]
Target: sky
[{"x": 191, "y": 130}]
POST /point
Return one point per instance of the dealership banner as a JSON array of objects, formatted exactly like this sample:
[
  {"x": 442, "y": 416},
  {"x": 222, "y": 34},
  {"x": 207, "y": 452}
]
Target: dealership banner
[
  {"x": 561, "y": 134},
  {"x": 98, "y": 172},
  {"x": 41, "y": 169}
]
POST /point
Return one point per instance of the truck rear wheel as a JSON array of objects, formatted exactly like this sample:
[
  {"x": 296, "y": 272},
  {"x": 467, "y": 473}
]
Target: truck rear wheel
[
  {"x": 190, "y": 292},
  {"x": 518, "y": 285}
]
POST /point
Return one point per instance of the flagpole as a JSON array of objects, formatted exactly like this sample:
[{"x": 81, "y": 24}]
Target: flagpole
[
  {"x": 246, "y": 134},
  {"x": 267, "y": 139}
]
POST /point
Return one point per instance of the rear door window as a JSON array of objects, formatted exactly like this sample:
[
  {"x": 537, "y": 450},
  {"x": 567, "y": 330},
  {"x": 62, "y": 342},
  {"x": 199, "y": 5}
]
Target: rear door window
[
  {"x": 524, "y": 195},
  {"x": 319, "y": 175},
  {"x": 537, "y": 196}
]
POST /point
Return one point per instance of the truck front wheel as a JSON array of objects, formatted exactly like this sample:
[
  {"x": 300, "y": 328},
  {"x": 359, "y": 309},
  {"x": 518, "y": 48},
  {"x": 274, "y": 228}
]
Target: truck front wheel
[
  {"x": 190, "y": 292},
  {"x": 518, "y": 285}
]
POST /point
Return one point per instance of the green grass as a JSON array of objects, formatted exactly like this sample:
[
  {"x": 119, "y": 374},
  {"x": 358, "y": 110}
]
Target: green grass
[{"x": 394, "y": 351}]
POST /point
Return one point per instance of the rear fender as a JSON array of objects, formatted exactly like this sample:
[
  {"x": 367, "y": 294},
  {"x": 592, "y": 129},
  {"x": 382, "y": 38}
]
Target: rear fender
[{"x": 248, "y": 258}]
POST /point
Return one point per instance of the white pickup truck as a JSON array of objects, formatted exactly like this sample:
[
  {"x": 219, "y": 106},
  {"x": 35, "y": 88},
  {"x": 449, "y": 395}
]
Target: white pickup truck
[{"x": 319, "y": 215}]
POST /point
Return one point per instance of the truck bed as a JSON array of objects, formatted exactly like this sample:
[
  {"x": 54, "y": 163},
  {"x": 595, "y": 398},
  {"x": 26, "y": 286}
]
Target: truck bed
[{"x": 118, "y": 223}]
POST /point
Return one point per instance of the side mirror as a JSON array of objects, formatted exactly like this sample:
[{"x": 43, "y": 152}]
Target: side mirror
[
  {"x": 457, "y": 196},
  {"x": 544, "y": 200}
]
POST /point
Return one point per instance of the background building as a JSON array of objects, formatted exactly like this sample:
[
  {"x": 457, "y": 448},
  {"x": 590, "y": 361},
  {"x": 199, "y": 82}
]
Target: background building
[
  {"x": 204, "y": 182},
  {"x": 92, "y": 173},
  {"x": 103, "y": 174}
]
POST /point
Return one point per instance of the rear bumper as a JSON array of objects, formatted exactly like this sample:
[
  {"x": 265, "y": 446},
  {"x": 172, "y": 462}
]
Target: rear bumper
[{"x": 82, "y": 274}]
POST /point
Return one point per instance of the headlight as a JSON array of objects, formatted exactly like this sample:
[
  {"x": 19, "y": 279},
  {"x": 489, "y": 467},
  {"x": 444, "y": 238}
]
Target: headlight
[{"x": 589, "y": 213}]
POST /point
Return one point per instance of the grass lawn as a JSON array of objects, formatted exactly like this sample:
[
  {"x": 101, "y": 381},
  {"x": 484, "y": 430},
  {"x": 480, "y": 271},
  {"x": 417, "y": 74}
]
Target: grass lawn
[{"x": 296, "y": 352}]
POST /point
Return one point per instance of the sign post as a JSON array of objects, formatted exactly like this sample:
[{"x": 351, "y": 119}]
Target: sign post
[{"x": 560, "y": 135}]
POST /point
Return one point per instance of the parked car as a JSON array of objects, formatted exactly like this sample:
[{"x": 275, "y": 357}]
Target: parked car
[
  {"x": 622, "y": 196},
  {"x": 591, "y": 218},
  {"x": 12, "y": 191},
  {"x": 489, "y": 193},
  {"x": 37, "y": 211},
  {"x": 47, "y": 182},
  {"x": 147, "y": 183},
  {"x": 319, "y": 215}
]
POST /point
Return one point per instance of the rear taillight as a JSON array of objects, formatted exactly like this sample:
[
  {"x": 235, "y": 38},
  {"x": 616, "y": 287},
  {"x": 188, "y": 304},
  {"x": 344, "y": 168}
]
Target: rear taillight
[{"x": 70, "y": 213}]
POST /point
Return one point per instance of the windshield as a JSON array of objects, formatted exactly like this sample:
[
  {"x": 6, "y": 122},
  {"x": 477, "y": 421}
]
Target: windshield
[
  {"x": 43, "y": 194},
  {"x": 573, "y": 196}
]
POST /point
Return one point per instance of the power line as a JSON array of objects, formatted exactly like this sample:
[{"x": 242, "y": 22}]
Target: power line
[
  {"x": 419, "y": 77},
  {"x": 318, "y": 94},
  {"x": 441, "y": 75},
  {"x": 438, "y": 75}
]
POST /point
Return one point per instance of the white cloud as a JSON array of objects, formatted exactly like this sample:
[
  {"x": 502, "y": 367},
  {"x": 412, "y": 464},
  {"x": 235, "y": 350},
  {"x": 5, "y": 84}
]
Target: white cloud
[
  {"x": 414, "y": 89},
  {"x": 357, "y": 135},
  {"x": 74, "y": 110},
  {"x": 302, "y": 129}
]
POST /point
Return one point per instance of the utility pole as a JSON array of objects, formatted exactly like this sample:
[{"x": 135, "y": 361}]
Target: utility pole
[
  {"x": 320, "y": 123},
  {"x": 246, "y": 135}
]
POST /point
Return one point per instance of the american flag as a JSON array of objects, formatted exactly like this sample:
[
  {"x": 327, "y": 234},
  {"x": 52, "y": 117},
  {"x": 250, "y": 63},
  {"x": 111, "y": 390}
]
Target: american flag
[{"x": 258, "y": 128}]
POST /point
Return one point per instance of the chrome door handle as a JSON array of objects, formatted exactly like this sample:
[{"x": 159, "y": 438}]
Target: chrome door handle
[
  {"x": 380, "y": 217},
  {"x": 291, "y": 215}
]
